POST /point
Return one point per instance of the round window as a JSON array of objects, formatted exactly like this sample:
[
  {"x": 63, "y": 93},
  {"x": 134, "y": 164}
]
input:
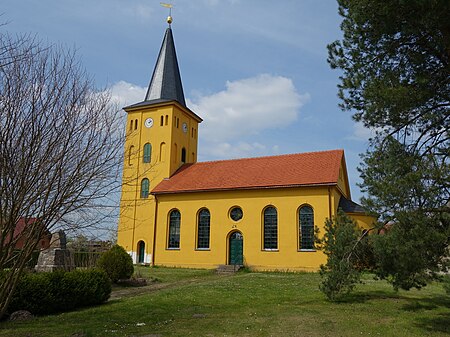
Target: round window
[{"x": 236, "y": 214}]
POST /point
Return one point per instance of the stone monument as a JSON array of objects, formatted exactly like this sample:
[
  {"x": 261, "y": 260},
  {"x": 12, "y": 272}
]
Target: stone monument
[{"x": 57, "y": 256}]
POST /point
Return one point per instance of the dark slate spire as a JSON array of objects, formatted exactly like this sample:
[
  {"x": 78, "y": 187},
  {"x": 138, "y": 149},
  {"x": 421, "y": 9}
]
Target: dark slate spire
[{"x": 166, "y": 80}]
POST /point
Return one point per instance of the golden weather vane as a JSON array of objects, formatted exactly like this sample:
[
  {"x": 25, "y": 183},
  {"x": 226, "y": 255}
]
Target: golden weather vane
[{"x": 169, "y": 18}]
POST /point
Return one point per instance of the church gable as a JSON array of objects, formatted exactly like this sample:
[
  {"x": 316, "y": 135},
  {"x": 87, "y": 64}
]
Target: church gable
[
  {"x": 343, "y": 184},
  {"x": 293, "y": 170}
]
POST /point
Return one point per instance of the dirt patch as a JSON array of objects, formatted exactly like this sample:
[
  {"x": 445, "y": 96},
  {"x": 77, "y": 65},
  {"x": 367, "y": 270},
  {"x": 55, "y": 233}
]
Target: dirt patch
[{"x": 121, "y": 292}]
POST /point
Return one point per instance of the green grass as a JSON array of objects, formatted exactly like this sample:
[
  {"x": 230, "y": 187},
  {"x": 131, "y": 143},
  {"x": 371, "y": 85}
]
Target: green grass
[{"x": 199, "y": 303}]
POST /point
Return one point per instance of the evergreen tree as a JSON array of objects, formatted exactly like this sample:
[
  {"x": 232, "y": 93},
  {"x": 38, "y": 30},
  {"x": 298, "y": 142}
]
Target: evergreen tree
[
  {"x": 346, "y": 248},
  {"x": 395, "y": 58}
]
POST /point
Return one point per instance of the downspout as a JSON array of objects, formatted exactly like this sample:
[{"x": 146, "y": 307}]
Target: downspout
[
  {"x": 136, "y": 195},
  {"x": 154, "y": 231},
  {"x": 329, "y": 202}
]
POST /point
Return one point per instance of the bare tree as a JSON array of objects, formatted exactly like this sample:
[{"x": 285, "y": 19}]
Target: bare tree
[{"x": 60, "y": 150}]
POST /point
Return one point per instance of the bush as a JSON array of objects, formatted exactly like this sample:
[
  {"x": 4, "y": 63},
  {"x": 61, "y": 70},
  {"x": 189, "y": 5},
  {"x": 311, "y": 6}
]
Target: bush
[
  {"x": 117, "y": 263},
  {"x": 346, "y": 256},
  {"x": 46, "y": 293}
]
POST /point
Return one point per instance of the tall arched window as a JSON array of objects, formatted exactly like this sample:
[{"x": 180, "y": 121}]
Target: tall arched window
[
  {"x": 306, "y": 227},
  {"x": 130, "y": 155},
  {"x": 147, "y": 153},
  {"x": 183, "y": 155},
  {"x": 145, "y": 187},
  {"x": 162, "y": 152},
  {"x": 174, "y": 229},
  {"x": 175, "y": 153},
  {"x": 203, "y": 229},
  {"x": 270, "y": 228}
]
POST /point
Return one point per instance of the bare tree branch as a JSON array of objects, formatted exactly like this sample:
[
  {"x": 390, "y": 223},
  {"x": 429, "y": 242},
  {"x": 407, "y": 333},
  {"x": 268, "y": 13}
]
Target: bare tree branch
[{"x": 60, "y": 149}]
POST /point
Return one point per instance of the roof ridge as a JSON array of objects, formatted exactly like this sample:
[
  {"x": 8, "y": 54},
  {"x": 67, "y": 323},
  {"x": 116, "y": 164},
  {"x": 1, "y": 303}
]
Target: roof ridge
[
  {"x": 273, "y": 156},
  {"x": 287, "y": 170}
]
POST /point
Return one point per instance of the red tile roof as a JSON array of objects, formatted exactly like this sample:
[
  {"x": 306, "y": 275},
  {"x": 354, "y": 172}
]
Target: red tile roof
[{"x": 291, "y": 170}]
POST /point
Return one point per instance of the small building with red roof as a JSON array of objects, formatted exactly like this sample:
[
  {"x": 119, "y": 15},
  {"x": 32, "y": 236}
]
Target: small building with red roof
[
  {"x": 21, "y": 232},
  {"x": 261, "y": 212}
]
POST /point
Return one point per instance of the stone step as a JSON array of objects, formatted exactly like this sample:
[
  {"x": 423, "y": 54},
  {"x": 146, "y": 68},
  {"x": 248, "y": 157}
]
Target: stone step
[{"x": 228, "y": 268}]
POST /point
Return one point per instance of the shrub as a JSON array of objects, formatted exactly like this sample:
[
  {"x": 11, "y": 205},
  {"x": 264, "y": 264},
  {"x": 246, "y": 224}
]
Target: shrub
[
  {"x": 117, "y": 263},
  {"x": 45, "y": 293},
  {"x": 346, "y": 255}
]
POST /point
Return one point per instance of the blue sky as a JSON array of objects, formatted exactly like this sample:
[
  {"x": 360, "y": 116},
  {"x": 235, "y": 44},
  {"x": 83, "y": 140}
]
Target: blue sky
[{"x": 255, "y": 70}]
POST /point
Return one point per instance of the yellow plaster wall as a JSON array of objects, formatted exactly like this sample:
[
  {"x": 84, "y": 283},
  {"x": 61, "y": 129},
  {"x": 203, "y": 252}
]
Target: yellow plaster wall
[
  {"x": 137, "y": 215},
  {"x": 363, "y": 221},
  {"x": 287, "y": 201}
]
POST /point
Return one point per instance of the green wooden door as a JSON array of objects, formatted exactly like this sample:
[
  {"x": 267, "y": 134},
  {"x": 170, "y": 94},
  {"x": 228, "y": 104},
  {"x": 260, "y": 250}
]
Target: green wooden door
[
  {"x": 236, "y": 249},
  {"x": 141, "y": 252}
]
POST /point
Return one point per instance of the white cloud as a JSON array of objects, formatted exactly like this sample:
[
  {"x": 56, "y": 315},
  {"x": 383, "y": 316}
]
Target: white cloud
[
  {"x": 247, "y": 107},
  {"x": 124, "y": 93},
  {"x": 227, "y": 150}
]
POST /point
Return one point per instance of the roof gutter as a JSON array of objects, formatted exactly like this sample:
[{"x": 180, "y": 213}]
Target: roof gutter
[{"x": 242, "y": 188}]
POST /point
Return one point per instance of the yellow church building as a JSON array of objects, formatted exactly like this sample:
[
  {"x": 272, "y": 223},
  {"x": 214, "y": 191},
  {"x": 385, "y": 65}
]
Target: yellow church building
[{"x": 255, "y": 212}]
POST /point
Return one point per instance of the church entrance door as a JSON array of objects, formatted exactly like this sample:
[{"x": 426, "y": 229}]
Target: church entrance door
[
  {"x": 236, "y": 249},
  {"x": 141, "y": 252}
]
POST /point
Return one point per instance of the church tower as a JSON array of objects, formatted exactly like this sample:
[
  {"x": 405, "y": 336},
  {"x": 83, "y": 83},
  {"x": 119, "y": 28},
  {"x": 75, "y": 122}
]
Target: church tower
[{"x": 161, "y": 136}]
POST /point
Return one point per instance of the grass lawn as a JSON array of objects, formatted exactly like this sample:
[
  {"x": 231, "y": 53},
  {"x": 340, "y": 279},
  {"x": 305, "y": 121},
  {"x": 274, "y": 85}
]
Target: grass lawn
[{"x": 199, "y": 303}]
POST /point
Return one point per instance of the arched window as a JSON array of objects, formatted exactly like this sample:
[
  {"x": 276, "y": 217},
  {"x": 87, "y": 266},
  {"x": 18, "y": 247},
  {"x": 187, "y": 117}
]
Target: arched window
[
  {"x": 175, "y": 153},
  {"x": 135, "y": 124},
  {"x": 145, "y": 187},
  {"x": 183, "y": 155},
  {"x": 203, "y": 229},
  {"x": 270, "y": 228},
  {"x": 130, "y": 155},
  {"x": 174, "y": 229},
  {"x": 147, "y": 153},
  {"x": 131, "y": 125},
  {"x": 167, "y": 119},
  {"x": 162, "y": 120},
  {"x": 162, "y": 152},
  {"x": 306, "y": 227}
]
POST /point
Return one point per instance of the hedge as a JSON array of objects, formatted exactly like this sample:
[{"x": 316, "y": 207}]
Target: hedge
[{"x": 46, "y": 293}]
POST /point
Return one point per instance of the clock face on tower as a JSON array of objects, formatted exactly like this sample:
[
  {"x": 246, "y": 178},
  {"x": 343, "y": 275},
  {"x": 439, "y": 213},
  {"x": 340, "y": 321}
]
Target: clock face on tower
[
  {"x": 148, "y": 123},
  {"x": 185, "y": 128}
]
